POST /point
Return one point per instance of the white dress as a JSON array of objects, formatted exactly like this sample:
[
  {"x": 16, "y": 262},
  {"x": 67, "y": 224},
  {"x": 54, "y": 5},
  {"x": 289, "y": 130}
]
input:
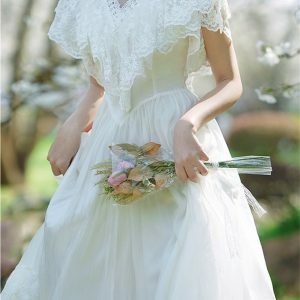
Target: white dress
[{"x": 195, "y": 241}]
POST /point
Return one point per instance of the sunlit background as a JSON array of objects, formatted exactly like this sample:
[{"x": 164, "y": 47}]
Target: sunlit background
[{"x": 41, "y": 86}]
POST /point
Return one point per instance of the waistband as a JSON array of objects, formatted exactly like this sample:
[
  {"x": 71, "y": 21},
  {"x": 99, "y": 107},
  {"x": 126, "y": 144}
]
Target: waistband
[
  {"x": 159, "y": 95},
  {"x": 120, "y": 116}
]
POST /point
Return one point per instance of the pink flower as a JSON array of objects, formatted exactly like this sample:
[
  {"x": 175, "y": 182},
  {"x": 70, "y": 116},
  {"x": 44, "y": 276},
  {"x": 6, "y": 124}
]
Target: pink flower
[
  {"x": 124, "y": 165},
  {"x": 116, "y": 178}
]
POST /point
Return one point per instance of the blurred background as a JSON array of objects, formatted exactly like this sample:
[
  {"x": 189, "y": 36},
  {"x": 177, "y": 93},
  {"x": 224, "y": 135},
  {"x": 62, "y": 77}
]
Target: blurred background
[{"x": 41, "y": 86}]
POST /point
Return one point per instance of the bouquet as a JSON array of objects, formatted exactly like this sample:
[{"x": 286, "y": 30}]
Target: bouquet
[{"x": 134, "y": 171}]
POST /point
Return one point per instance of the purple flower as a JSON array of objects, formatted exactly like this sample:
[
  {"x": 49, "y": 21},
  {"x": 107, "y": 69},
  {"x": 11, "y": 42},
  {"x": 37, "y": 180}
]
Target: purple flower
[{"x": 124, "y": 165}]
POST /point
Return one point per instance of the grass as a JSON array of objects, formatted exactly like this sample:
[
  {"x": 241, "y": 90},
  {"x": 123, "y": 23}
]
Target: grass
[
  {"x": 39, "y": 177},
  {"x": 286, "y": 226},
  {"x": 40, "y": 183}
]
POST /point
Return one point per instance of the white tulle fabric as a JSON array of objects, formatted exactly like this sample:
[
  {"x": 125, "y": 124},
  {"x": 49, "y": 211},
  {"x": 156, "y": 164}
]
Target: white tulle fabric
[
  {"x": 192, "y": 241},
  {"x": 195, "y": 241},
  {"x": 117, "y": 43}
]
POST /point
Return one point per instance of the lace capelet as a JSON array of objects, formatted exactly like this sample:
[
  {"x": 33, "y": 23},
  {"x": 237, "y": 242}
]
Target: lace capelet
[{"x": 116, "y": 43}]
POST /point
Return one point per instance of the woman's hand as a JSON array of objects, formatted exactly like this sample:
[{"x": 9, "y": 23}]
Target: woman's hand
[
  {"x": 67, "y": 141},
  {"x": 188, "y": 152},
  {"x": 65, "y": 146},
  {"x": 221, "y": 56}
]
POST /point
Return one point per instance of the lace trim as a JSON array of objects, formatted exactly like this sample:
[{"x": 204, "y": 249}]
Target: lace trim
[
  {"x": 120, "y": 51},
  {"x": 118, "y": 11}
]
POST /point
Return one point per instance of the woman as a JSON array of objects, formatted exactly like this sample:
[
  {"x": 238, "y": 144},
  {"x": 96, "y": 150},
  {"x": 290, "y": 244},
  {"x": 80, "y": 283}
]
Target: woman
[{"x": 194, "y": 240}]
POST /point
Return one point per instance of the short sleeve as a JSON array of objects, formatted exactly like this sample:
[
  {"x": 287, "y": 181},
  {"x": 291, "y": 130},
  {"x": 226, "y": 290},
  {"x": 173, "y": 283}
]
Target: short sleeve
[
  {"x": 115, "y": 52},
  {"x": 64, "y": 29},
  {"x": 217, "y": 18},
  {"x": 214, "y": 16}
]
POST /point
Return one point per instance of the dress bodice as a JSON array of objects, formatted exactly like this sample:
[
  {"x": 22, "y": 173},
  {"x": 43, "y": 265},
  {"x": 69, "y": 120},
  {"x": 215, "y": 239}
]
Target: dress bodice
[
  {"x": 138, "y": 50},
  {"x": 167, "y": 73}
]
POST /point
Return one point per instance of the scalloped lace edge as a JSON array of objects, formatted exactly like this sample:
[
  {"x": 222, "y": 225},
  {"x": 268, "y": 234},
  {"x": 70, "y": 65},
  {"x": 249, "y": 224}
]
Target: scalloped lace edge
[{"x": 178, "y": 29}]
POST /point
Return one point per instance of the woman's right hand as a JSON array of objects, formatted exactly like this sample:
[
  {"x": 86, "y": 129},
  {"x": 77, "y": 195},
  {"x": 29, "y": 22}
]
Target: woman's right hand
[
  {"x": 67, "y": 141},
  {"x": 65, "y": 146},
  {"x": 188, "y": 153}
]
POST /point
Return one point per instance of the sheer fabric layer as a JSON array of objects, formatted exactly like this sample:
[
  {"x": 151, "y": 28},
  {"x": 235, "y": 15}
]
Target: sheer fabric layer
[{"x": 192, "y": 241}]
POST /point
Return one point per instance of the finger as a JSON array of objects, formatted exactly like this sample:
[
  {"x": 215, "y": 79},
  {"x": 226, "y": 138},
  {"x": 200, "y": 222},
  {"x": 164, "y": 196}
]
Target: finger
[
  {"x": 65, "y": 168},
  {"x": 192, "y": 174},
  {"x": 61, "y": 166},
  {"x": 202, "y": 169},
  {"x": 203, "y": 155},
  {"x": 180, "y": 172},
  {"x": 55, "y": 170}
]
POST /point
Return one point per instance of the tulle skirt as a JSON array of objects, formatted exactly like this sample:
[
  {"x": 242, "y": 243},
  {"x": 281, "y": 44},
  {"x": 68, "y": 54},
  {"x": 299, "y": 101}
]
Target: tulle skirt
[{"x": 195, "y": 241}]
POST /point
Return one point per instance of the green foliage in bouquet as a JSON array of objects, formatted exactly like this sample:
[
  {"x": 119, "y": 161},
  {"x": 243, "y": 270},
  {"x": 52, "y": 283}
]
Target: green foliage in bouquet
[
  {"x": 137, "y": 170},
  {"x": 133, "y": 171}
]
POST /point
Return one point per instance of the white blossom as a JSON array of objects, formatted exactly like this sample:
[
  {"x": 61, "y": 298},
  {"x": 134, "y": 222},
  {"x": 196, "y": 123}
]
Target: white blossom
[
  {"x": 269, "y": 57},
  {"x": 283, "y": 48},
  {"x": 23, "y": 88},
  {"x": 58, "y": 91},
  {"x": 42, "y": 63},
  {"x": 268, "y": 98},
  {"x": 67, "y": 76},
  {"x": 61, "y": 104},
  {"x": 48, "y": 100},
  {"x": 292, "y": 92}
]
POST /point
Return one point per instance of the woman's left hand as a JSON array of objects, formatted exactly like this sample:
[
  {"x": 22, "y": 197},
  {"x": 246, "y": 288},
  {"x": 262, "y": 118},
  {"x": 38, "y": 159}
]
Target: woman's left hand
[{"x": 188, "y": 153}]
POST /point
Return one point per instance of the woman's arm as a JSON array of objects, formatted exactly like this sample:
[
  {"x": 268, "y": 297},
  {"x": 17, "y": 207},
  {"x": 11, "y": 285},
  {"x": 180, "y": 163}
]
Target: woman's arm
[
  {"x": 88, "y": 107},
  {"x": 221, "y": 56},
  {"x": 68, "y": 138}
]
